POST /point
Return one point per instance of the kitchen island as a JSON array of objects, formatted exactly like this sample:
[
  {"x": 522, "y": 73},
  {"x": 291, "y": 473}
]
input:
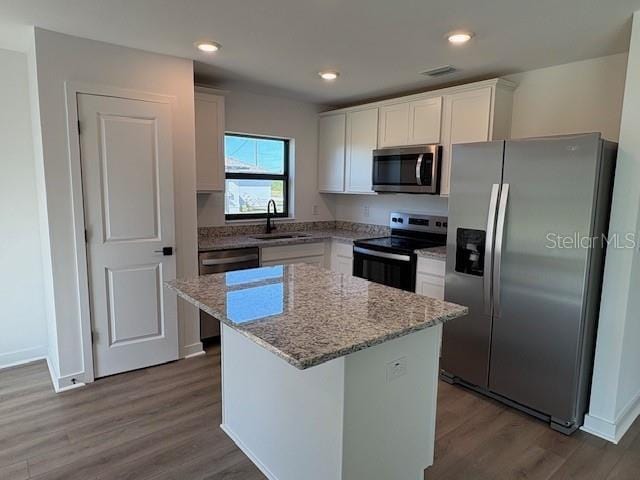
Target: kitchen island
[{"x": 324, "y": 375}]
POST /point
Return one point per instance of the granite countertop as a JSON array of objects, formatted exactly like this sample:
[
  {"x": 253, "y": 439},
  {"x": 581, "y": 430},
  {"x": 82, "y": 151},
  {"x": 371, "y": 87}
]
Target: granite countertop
[
  {"x": 436, "y": 253},
  {"x": 309, "y": 315},
  {"x": 309, "y": 236}
]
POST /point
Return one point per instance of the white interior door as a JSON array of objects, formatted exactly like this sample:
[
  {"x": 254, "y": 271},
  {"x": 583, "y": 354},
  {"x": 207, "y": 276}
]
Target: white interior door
[{"x": 127, "y": 169}]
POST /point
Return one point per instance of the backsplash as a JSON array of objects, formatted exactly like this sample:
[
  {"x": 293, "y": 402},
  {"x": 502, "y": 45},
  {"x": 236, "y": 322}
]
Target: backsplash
[{"x": 205, "y": 233}]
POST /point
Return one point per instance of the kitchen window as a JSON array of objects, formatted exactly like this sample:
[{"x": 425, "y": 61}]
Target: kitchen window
[{"x": 256, "y": 171}]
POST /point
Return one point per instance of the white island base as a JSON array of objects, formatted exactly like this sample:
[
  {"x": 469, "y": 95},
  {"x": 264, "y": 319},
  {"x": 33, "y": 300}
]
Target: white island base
[{"x": 346, "y": 419}]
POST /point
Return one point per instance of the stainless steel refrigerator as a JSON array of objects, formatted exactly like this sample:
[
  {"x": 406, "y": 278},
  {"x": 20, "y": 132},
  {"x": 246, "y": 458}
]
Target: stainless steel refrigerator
[{"x": 516, "y": 208}]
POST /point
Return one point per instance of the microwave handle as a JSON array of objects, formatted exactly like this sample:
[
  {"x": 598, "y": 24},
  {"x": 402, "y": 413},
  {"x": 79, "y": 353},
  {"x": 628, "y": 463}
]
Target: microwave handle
[{"x": 419, "y": 169}]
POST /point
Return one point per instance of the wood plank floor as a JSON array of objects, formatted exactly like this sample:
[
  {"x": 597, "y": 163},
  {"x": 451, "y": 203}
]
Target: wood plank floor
[{"x": 163, "y": 423}]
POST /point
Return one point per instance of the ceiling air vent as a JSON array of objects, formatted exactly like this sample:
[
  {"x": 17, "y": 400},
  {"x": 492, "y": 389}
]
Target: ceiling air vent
[{"x": 439, "y": 71}]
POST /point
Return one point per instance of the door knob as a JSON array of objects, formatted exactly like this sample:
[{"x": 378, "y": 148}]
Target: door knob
[{"x": 166, "y": 251}]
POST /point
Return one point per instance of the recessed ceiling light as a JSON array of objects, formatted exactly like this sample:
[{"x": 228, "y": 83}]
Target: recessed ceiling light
[
  {"x": 208, "y": 46},
  {"x": 459, "y": 38},
  {"x": 329, "y": 75}
]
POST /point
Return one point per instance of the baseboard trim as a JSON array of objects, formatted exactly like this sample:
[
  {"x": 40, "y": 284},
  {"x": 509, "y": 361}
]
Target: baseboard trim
[
  {"x": 21, "y": 357},
  {"x": 613, "y": 431},
  {"x": 247, "y": 451},
  {"x": 63, "y": 384},
  {"x": 197, "y": 354},
  {"x": 192, "y": 350}
]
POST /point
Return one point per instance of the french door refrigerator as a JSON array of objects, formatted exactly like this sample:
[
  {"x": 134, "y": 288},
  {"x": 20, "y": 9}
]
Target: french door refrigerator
[{"x": 524, "y": 253}]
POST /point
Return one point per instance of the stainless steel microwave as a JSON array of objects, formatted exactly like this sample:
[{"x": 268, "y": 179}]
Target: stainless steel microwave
[{"x": 407, "y": 169}]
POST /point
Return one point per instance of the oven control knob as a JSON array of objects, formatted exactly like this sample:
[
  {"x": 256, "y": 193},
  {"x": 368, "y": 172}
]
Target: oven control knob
[
  {"x": 394, "y": 219},
  {"x": 400, "y": 220}
]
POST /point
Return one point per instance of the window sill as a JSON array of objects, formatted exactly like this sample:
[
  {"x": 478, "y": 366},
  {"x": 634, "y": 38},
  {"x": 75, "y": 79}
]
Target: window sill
[{"x": 260, "y": 221}]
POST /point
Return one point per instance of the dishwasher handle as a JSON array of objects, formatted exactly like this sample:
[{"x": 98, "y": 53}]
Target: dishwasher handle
[{"x": 206, "y": 262}]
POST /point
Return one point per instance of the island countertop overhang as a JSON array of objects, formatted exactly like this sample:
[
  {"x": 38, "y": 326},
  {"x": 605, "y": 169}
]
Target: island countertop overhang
[{"x": 309, "y": 315}]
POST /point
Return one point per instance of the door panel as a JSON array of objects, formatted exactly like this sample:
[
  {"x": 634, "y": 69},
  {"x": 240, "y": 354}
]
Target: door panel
[
  {"x": 466, "y": 340},
  {"x": 130, "y": 188},
  {"x": 394, "y": 125},
  {"x": 331, "y": 152},
  {"x": 362, "y": 140},
  {"x": 134, "y": 292},
  {"x": 127, "y": 168},
  {"x": 209, "y": 123},
  {"x": 535, "y": 343},
  {"x": 425, "y": 118},
  {"x": 466, "y": 118}
]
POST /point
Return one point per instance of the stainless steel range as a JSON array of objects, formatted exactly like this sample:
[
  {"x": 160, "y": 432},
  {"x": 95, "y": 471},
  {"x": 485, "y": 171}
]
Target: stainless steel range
[{"x": 392, "y": 260}]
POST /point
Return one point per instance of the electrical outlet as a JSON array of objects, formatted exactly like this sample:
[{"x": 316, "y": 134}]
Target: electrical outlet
[
  {"x": 314, "y": 210},
  {"x": 366, "y": 211},
  {"x": 396, "y": 369}
]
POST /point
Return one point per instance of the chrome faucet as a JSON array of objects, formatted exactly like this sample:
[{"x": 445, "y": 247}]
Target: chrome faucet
[{"x": 275, "y": 212}]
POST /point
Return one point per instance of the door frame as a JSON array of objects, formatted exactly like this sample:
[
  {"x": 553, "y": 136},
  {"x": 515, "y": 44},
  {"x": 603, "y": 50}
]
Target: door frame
[{"x": 72, "y": 90}]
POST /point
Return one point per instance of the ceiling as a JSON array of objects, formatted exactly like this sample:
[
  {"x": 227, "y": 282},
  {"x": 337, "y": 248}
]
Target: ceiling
[{"x": 379, "y": 46}]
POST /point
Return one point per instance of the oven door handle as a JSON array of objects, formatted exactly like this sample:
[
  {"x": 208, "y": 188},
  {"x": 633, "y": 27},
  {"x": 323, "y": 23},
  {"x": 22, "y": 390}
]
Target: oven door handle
[
  {"x": 387, "y": 255},
  {"x": 419, "y": 169}
]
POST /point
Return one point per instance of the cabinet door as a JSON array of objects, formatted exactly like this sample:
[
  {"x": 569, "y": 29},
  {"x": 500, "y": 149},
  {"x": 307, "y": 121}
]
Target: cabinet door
[
  {"x": 209, "y": 126},
  {"x": 425, "y": 117},
  {"x": 343, "y": 265},
  {"x": 394, "y": 125},
  {"x": 466, "y": 119},
  {"x": 362, "y": 139},
  {"x": 430, "y": 286},
  {"x": 331, "y": 153}
]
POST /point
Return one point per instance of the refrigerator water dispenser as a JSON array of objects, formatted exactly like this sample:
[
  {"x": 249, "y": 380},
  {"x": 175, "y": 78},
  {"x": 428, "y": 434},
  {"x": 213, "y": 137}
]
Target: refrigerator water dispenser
[{"x": 470, "y": 251}]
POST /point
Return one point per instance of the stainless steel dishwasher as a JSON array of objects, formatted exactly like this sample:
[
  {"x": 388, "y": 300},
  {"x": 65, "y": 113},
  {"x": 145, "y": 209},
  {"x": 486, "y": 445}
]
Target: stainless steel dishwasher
[{"x": 223, "y": 261}]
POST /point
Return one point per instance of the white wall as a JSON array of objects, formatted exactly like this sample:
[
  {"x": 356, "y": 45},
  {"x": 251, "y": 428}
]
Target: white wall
[
  {"x": 280, "y": 117},
  {"x": 577, "y": 97},
  {"x": 353, "y": 208},
  {"x": 60, "y": 58},
  {"x": 23, "y": 329},
  {"x": 615, "y": 395}
]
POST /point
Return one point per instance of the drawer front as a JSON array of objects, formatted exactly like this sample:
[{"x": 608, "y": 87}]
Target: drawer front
[
  {"x": 292, "y": 251},
  {"x": 431, "y": 266},
  {"x": 317, "y": 261}
]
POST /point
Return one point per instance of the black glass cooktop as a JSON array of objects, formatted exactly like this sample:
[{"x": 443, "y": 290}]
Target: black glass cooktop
[{"x": 398, "y": 244}]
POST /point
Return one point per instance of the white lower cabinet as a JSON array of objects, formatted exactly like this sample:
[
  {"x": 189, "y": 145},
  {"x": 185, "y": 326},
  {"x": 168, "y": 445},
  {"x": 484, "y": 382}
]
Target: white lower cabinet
[
  {"x": 312, "y": 253},
  {"x": 341, "y": 257},
  {"x": 430, "y": 278}
]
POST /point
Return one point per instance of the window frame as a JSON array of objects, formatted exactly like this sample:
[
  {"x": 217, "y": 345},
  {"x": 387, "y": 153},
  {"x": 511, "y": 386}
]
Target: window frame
[{"x": 284, "y": 177}]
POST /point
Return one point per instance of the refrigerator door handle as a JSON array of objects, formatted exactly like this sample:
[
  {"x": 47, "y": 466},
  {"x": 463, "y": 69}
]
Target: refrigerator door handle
[
  {"x": 497, "y": 253},
  {"x": 488, "y": 246}
]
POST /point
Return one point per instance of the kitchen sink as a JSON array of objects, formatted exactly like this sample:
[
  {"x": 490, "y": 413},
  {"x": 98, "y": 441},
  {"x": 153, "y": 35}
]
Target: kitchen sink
[{"x": 280, "y": 236}]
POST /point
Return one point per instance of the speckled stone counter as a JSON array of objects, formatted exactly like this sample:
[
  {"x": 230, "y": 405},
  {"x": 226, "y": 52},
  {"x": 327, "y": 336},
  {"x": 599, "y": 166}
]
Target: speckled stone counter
[
  {"x": 309, "y": 315},
  {"x": 436, "y": 253},
  {"x": 208, "y": 244}
]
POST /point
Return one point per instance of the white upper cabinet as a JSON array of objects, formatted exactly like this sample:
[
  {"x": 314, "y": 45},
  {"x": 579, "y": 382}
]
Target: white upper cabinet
[
  {"x": 331, "y": 152},
  {"x": 424, "y": 121},
  {"x": 394, "y": 125},
  {"x": 209, "y": 123},
  {"x": 474, "y": 112},
  {"x": 410, "y": 123},
  {"x": 466, "y": 118},
  {"x": 362, "y": 139}
]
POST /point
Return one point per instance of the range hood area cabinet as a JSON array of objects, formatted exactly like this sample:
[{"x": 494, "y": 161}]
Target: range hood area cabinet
[
  {"x": 410, "y": 123},
  {"x": 209, "y": 125},
  {"x": 475, "y": 112}
]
